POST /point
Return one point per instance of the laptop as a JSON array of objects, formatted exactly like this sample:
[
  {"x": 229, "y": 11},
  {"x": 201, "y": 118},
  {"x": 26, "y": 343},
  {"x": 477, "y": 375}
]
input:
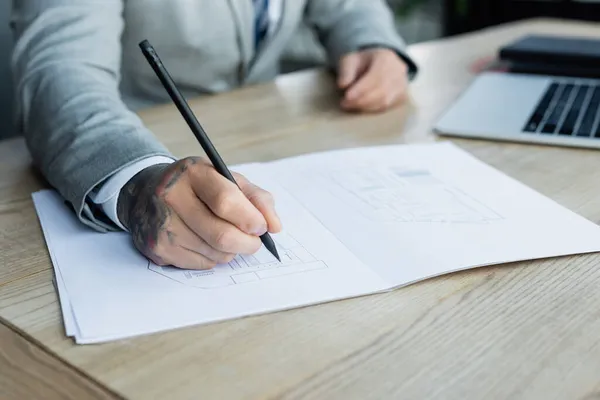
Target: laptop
[{"x": 550, "y": 96}]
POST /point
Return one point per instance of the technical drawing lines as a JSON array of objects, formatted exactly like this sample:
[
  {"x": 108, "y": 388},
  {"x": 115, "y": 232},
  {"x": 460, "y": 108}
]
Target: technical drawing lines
[
  {"x": 248, "y": 268},
  {"x": 400, "y": 194}
]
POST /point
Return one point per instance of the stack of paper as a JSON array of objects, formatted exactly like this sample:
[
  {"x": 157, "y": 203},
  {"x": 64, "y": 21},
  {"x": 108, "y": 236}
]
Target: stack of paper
[{"x": 355, "y": 222}]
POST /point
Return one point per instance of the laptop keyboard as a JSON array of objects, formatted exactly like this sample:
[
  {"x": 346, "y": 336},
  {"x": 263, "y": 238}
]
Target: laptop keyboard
[{"x": 567, "y": 109}]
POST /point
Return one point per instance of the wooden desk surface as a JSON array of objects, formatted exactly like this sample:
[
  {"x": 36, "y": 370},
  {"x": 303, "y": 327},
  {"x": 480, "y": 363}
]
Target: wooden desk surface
[
  {"x": 526, "y": 330},
  {"x": 28, "y": 371}
]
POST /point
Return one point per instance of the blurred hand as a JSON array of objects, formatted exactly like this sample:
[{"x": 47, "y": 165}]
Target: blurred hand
[
  {"x": 373, "y": 80},
  {"x": 187, "y": 215}
]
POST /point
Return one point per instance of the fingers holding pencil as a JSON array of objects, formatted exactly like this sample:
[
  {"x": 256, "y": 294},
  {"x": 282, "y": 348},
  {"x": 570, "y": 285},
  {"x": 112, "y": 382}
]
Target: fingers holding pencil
[{"x": 187, "y": 215}]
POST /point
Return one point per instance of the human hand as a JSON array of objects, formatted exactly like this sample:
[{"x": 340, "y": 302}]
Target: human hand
[
  {"x": 187, "y": 215},
  {"x": 373, "y": 80}
]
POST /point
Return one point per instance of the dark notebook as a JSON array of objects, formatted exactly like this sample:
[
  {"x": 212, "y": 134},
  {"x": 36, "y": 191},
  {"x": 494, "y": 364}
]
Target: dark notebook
[{"x": 554, "y": 55}]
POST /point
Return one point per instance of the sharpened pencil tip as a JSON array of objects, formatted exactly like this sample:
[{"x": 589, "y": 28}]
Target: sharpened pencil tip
[
  {"x": 273, "y": 251},
  {"x": 270, "y": 245}
]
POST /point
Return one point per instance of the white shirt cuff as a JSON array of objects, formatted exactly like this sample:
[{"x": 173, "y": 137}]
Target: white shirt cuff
[{"x": 108, "y": 195}]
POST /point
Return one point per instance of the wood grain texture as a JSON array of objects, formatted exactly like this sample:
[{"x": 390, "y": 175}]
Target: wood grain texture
[
  {"x": 30, "y": 372},
  {"x": 525, "y": 330},
  {"x": 23, "y": 248}
]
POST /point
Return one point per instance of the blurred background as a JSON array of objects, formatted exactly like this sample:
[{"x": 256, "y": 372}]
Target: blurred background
[
  {"x": 420, "y": 20},
  {"x": 6, "y": 126},
  {"x": 416, "y": 20}
]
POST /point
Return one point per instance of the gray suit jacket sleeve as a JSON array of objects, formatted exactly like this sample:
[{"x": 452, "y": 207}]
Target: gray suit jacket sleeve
[
  {"x": 66, "y": 64},
  {"x": 350, "y": 25}
]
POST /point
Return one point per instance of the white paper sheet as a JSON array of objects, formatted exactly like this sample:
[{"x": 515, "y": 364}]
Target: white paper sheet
[
  {"x": 114, "y": 292},
  {"x": 355, "y": 222},
  {"x": 413, "y": 212}
]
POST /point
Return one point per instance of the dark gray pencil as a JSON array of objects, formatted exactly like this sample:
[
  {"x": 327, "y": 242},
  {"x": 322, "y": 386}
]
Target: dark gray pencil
[{"x": 194, "y": 125}]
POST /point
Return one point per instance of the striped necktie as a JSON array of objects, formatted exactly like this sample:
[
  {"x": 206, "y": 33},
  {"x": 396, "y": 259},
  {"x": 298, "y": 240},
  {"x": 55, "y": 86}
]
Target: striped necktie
[{"x": 261, "y": 20}]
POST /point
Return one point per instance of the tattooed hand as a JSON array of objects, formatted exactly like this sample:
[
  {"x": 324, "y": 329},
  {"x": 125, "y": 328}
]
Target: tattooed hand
[{"x": 187, "y": 215}]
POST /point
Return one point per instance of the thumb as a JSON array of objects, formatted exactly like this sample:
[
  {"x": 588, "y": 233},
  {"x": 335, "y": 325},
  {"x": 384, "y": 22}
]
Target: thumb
[
  {"x": 349, "y": 68},
  {"x": 262, "y": 200}
]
